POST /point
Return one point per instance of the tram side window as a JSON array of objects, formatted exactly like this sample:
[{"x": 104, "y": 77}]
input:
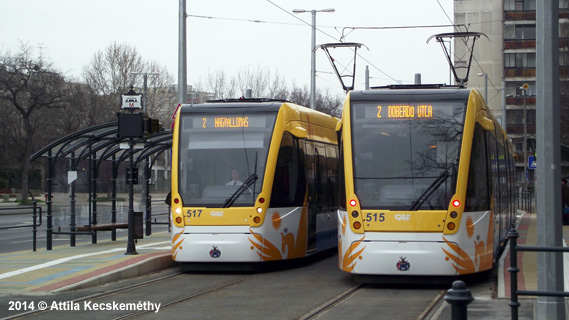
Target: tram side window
[
  {"x": 321, "y": 177},
  {"x": 477, "y": 196},
  {"x": 493, "y": 170},
  {"x": 289, "y": 180},
  {"x": 332, "y": 172},
  {"x": 310, "y": 166},
  {"x": 502, "y": 168}
]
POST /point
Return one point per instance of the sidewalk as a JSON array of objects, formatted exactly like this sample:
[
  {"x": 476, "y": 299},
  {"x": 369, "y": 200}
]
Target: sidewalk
[
  {"x": 527, "y": 278},
  {"x": 494, "y": 304},
  {"x": 65, "y": 268}
]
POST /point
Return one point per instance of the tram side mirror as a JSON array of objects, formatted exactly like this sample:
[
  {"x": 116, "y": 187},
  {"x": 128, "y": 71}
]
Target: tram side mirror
[
  {"x": 299, "y": 132},
  {"x": 486, "y": 123}
]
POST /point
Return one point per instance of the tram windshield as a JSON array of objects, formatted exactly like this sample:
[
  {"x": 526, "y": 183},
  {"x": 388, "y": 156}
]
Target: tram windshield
[
  {"x": 222, "y": 158},
  {"x": 405, "y": 155}
]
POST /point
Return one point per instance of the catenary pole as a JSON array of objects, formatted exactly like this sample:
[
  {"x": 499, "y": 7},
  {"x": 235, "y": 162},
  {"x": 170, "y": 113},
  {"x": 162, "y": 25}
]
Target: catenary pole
[
  {"x": 182, "y": 62},
  {"x": 548, "y": 190}
]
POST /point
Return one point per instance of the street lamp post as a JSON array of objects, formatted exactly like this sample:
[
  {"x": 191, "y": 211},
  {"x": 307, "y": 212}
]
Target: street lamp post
[
  {"x": 485, "y": 85},
  {"x": 313, "y": 54},
  {"x": 145, "y": 85},
  {"x": 525, "y": 88}
]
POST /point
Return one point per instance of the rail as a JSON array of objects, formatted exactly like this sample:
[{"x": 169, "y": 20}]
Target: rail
[
  {"x": 161, "y": 214},
  {"x": 17, "y": 211},
  {"x": 513, "y": 269}
]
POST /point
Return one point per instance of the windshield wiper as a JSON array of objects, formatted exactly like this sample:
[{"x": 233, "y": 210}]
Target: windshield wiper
[
  {"x": 429, "y": 191},
  {"x": 229, "y": 202}
]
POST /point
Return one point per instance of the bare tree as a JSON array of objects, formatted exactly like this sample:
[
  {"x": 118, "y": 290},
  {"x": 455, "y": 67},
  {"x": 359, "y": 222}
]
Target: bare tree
[
  {"x": 160, "y": 99},
  {"x": 329, "y": 103},
  {"x": 256, "y": 80},
  {"x": 111, "y": 74},
  {"x": 299, "y": 95},
  {"x": 221, "y": 86},
  {"x": 110, "y": 69},
  {"x": 81, "y": 110},
  {"x": 29, "y": 87},
  {"x": 278, "y": 87},
  {"x": 265, "y": 84}
]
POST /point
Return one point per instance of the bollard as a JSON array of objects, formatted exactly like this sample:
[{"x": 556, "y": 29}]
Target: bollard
[
  {"x": 513, "y": 236},
  {"x": 459, "y": 297}
]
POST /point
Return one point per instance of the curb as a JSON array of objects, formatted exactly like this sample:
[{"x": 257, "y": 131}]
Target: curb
[{"x": 157, "y": 262}]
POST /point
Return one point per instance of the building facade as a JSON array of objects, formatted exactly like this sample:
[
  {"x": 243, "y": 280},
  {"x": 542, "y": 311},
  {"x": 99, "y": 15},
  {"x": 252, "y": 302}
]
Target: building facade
[{"x": 504, "y": 65}]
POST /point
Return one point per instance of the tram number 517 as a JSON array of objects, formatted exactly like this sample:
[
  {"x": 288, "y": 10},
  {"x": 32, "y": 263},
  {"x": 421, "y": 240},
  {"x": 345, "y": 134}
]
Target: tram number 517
[
  {"x": 375, "y": 217},
  {"x": 194, "y": 213}
]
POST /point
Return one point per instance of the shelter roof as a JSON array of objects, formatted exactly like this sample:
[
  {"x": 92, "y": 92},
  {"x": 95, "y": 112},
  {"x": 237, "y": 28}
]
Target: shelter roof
[{"x": 101, "y": 142}]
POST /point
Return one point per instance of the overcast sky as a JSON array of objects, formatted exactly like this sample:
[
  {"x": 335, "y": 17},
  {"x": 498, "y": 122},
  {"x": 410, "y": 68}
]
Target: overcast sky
[{"x": 69, "y": 32}]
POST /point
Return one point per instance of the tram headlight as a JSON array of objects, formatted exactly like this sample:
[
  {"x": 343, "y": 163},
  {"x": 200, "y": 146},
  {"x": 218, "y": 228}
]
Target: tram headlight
[
  {"x": 259, "y": 210},
  {"x": 355, "y": 214},
  {"x": 454, "y": 214},
  {"x": 451, "y": 226},
  {"x": 456, "y": 203},
  {"x": 353, "y": 202},
  {"x": 178, "y": 210}
]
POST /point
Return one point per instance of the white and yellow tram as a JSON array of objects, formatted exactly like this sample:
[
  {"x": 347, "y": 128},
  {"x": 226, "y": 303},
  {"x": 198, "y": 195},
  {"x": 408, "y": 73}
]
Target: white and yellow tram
[
  {"x": 283, "y": 203},
  {"x": 429, "y": 183}
]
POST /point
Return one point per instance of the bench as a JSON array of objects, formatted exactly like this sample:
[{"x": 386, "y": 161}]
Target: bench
[
  {"x": 137, "y": 226},
  {"x": 6, "y": 193},
  {"x": 7, "y": 190}
]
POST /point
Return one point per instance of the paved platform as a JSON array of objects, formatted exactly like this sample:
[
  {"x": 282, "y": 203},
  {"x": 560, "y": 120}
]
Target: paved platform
[
  {"x": 70, "y": 268},
  {"x": 527, "y": 279},
  {"x": 494, "y": 304}
]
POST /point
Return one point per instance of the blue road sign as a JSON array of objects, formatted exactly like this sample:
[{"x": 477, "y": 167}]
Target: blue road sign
[{"x": 532, "y": 164}]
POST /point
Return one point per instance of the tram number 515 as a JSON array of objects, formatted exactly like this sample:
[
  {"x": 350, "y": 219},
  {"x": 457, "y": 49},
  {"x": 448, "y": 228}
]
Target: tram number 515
[{"x": 375, "y": 217}]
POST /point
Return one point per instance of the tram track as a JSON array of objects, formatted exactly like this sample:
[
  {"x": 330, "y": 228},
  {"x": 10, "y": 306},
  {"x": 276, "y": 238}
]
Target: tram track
[
  {"x": 313, "y": 314},
  {"x": 185, "y": 298},
  {"x": 427, "y": 314},
  {"x": 433, "y": 307},
  {"x": 98, "y": 295},
  {"x": 134, "y": 286},
  {"x": 311, "y": 291}
]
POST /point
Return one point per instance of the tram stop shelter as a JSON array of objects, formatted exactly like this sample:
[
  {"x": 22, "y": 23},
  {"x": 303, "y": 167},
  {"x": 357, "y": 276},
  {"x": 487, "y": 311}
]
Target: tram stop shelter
[{"x": 97, "y": 145}]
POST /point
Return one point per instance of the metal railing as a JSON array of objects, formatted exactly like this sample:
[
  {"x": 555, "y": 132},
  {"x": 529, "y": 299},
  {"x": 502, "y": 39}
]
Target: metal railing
[
  {"x": 150, "y": 216},
  {"x": 525, "y": 200},
  {"x": 513, "y": 269},
  {"x": 18, "y": 210},
  {"x": 93, "y": 225}
]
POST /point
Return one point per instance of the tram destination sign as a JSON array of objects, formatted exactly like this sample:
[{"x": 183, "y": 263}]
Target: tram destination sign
[
  {"x": 229, "y": 121},
  {"x": 400, "y": 111}
]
